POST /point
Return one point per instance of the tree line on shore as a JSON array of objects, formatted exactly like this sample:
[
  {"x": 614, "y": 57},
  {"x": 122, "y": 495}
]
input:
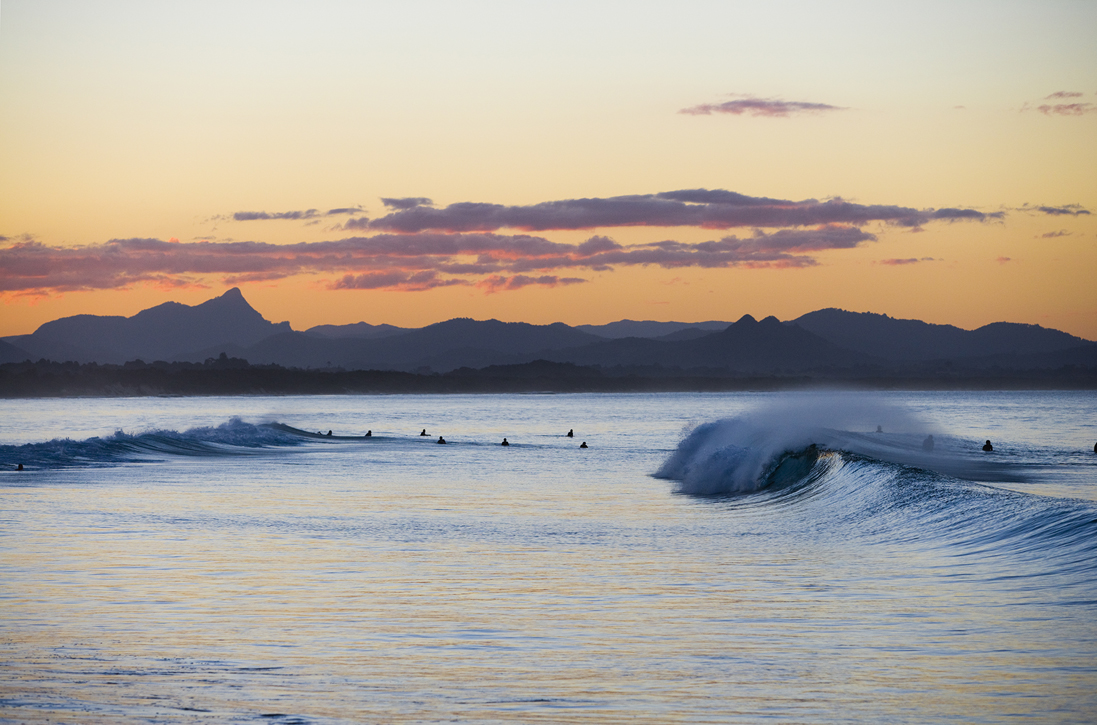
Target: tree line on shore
[{"x": 226, "y": 375}]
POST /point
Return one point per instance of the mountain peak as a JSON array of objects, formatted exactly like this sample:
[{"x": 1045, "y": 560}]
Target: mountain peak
[
  {"x": 159, "y": 333},
  {"x": 233, "y": 297}
]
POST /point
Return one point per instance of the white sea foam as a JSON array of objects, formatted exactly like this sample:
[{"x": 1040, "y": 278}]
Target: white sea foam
[{"x": 734, "y": 455}]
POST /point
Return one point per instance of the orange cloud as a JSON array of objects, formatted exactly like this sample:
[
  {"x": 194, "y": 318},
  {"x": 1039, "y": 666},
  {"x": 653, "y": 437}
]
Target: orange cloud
[
  {"x": 493, "y": 262},
  {"x": 498, "y": 283}
]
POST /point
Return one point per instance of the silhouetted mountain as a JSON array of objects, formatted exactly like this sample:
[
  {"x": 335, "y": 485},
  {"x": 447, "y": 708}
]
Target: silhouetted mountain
[
  {"x": 647, "y": 328},
  {"x": 358, "y": 329},
  {"x": 747, "y": 346},
  {"x": 292, "y": 349},
  {"x": 159, "y": 333},
  {"x": 441, "y": 347},
  {"x": 828, "y": 344},
  {"x": 914, "y": 340},
  {"x": 514, "y": 338},
  {"x": 689, "y": 333},
  {"x": 11, "y": 353}
]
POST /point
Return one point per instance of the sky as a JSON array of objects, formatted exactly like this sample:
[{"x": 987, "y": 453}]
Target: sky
[{"x": 577, "y": 162}]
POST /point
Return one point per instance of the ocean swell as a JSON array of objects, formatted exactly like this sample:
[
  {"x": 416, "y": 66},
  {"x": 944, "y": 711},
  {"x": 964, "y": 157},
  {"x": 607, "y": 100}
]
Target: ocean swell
[
  {"x": 838, "y": 484},
  {"x": 737, "y": 455},
  {"x": 234, "y": 437}
]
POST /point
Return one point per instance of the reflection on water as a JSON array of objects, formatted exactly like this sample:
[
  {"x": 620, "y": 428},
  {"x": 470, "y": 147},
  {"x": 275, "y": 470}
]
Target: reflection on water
[{"x": 397, "y": 580}]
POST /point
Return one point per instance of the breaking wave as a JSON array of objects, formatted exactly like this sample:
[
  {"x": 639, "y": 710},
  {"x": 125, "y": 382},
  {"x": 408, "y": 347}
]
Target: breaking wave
[
  {"x": 755, "y": 450},
  {"x": 879, "y": 485},
  {"x": 235, "y": 437}
]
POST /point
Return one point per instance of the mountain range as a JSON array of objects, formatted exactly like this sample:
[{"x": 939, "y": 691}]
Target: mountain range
[
  {"x": 828, "y": 342},
  {"x": 166, "y": 332}
]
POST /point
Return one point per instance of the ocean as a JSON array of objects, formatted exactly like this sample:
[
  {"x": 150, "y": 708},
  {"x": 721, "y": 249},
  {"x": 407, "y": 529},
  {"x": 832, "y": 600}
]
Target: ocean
[{"x": 707, "y": 558}]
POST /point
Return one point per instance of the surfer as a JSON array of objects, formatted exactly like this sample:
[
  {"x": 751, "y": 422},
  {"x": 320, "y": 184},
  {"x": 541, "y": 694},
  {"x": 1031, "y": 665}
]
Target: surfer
[
  {"x": 424, "y": 432},
  {"x": 329, "y": 432},
  {"x": 571, "y": 434},
  {"x": 441, "y": 439},
  {"x": 21, "y": 465},
  {"x": 584, "y": 445},
  {"x": 879, "y": 429},
  {"x": 987, "y": 447},
  {"x": 504, "y": 443},
  {"x": 927, "y": 444},
  {"x": 369, "y": 434}
]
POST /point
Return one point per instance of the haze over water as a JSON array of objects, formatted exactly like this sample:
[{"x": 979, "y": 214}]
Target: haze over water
[{"x": 197, "y": 566}]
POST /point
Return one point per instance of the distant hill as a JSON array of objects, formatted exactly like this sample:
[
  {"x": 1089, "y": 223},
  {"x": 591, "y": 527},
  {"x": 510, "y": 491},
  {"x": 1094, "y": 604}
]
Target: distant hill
[
  {"x": 648, "y": 328},
  {"x": 358, "y": 329},
  {"x": 464, "y": 342},
  {"x": 746, "y": 346},
  {"x": 827, "y": 344},
  {"x": 11, "y": 353},
  {"x": 689, "y": 333},
  {"x": 440, "y": 347},
  {"x": 159, "y": 333},
  {"x": 913, "y": 340}
]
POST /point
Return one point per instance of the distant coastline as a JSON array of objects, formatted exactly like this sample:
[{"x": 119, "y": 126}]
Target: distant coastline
[{"x": 234, "y": 376}]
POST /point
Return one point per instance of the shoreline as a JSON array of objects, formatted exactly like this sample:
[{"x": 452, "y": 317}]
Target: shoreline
[{"x": 235, "y": 377}]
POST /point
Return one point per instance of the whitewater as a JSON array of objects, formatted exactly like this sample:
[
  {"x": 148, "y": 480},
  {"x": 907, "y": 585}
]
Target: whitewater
[{"x": 721, "y": 558}]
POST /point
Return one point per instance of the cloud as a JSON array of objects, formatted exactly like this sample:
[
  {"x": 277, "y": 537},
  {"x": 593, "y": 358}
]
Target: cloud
[
  {"x": 912, "y": 260},
  {"x": 251, "y": 216},
  {"x": 498, "y": 283},
  {"x": 407, "y": 202},
  {"x": 1066, "y": 109},
  {"x": 965, "y": 214},
  {"x": 20, "y": 239},
  {"x": 1065, "y": 210},
  {"x": 396, "y": 261},
  {"x": 704, "y": 208},
  {"x": 768, "y": 107},
  {"x": 408, "y": 282},
  {"x": 419, "y": 247},
  {"x": 1053, "y": 235},
  {"x": 597, "y": 244}
]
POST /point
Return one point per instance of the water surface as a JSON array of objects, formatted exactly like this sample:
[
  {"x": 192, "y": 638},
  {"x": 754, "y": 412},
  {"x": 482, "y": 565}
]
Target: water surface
[{"x": 172, "y": 560}]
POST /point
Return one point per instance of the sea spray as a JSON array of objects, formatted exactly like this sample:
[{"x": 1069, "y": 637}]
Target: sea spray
[{"x": 738, "y": 455}]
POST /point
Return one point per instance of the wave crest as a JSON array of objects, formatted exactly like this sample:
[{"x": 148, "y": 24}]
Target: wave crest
[
  {"x": 738, "y": 456},
  {"x": 230, "y": 438}
]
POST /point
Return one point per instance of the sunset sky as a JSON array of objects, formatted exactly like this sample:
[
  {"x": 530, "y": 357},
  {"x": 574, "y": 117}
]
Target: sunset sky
[{"x": 580, "y": 162}]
